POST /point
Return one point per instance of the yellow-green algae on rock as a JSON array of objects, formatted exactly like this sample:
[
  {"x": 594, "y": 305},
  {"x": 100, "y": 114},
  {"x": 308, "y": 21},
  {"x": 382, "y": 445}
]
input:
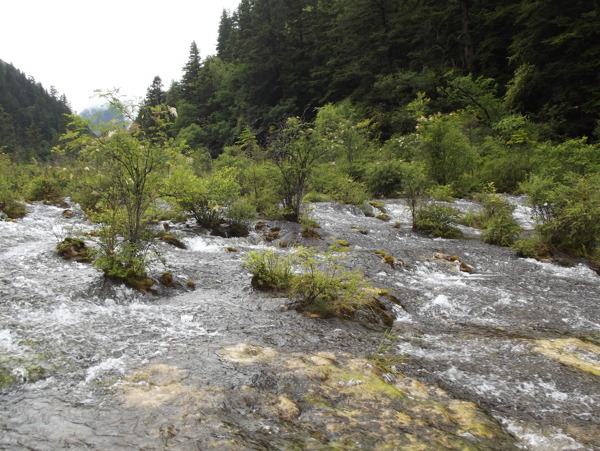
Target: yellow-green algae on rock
[
  {"x": 572, "y": 352},
  {"x": 351, "y": 405},
  {"x": 296, "y": 401}
]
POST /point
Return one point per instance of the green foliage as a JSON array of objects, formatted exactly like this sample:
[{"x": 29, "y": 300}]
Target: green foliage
[
  {"x": 445, "y": 149},
  {"x": 127, "y": 264},
  {"x": 530, "y": 247},
  {"x": 326, "y": 288},
  {"x": 568, "y": 212},
  {"x": 476, "y": 95},
  {"x": 575, "y": 156},
  {"x": 332, "y": 182},
  {"x": 501, "y": 229},
  {"x": 296, "y": 155},
  {"x": 338, "y": 128},
  {"x": 384, "y": 178},
  {"x": 414, "y": 184},
  {"x": 239, "y": 215},
  {"x": 127, "y": 172},
  {"x": 322, "y": 285},
  {"x": 441, "y": 193},
  {"x": 45, "y": 187},
  {"x": 496, "y": 219},
  {"x": 437, "y": 220},
  {"x": 270, "y": 270},
  {"x": 9, "y": 189},
  {"x": 206, "y": 198}
]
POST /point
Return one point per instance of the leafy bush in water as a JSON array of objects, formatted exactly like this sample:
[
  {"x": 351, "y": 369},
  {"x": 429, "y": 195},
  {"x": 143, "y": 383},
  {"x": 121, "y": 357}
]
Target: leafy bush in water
[
  {"x": 502, "y": 230},
  {"x": 437, "y": 220},
  {"x": 270, "y": 270},
  {"x": 45, "y": 187},
  {"x": 531, "y": 247},
  {"x": 323, "y": 286},
  {"x": 326, "y": 288},
  {"x": 9, "y": 195},
  {"x": 441, "y": 193},
  {"x": 569, "y": 212},
  {"x": 500, "y": 225},
  {"x": 329, "y": 182}
]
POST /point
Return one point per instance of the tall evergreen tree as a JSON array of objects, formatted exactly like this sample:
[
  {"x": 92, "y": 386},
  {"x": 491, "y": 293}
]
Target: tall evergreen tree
[{"x": 191, "y": 75}]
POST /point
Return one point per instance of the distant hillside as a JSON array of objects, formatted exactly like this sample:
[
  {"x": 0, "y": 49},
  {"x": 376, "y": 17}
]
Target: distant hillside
[
  {"x": 102, "y": 115},
  {"x": 31, "y": 118}
]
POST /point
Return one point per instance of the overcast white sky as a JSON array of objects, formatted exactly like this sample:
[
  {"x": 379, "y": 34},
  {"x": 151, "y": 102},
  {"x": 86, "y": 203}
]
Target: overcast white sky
[{"x": 78, "y": 46}]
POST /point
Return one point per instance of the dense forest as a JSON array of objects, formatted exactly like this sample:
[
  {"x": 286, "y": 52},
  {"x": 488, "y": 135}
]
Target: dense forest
[
  {"x": 286, "y": 58},
  {"x": 329, "y": 100},
  {"x": 31, "y": 118}
]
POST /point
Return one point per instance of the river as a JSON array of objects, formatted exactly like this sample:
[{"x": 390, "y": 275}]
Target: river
[{"x": 505, "y": 357}]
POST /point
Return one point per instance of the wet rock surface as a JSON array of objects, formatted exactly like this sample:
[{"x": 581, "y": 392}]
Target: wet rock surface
[{"x": 503, "y": 357}]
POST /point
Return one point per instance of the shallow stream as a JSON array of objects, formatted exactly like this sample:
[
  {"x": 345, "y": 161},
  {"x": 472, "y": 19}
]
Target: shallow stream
[{"x": 505, "y": 357}]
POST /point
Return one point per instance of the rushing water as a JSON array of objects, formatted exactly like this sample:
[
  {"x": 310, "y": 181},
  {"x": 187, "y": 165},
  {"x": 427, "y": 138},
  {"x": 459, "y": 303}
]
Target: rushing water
[{"x": 99, "y": 366}]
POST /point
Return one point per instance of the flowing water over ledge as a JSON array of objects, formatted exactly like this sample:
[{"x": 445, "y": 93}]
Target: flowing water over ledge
[{"x": 502, "y": 358}]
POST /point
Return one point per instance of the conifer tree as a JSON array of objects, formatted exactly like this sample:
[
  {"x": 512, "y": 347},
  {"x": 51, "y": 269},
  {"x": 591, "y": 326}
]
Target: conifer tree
[{"x": 191, "y": 75}]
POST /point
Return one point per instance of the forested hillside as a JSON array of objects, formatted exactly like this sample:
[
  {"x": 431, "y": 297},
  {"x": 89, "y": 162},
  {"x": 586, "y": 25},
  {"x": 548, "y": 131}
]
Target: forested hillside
[
  {"x": 285, "y": 58},
  {"x": 31, "y": 118}
]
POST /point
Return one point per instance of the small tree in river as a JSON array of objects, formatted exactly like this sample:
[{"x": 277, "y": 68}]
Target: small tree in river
[
  {"x": 296, "y": 156},
  {"x": 127, "y": 169}
]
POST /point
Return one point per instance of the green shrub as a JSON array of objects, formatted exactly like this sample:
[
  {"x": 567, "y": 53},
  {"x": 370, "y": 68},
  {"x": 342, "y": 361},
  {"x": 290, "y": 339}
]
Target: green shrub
[
  {"x": 331, "y": 182},
  {"x": 270, "y": 270},
  {"x": 437, "y": 220},
  {"x": 126, "y": 264},
  {"x": 530, "y": 247},
  {"x": 9, "y": 189},
  {"x": 569, "y": 212},
  {"x": 501, "y": 228},
  {"x": 384, "y": 178},
  {"x": 441, "y": 193},
  {"x": 43, "y": 188},
  {"x": 328, "y": 289},
  {"x": 240, "y": 215},
  {"x": 475, "y": 219}
]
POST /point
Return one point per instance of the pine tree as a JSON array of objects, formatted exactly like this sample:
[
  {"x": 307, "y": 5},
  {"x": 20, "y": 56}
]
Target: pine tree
[{"x": 191, "y": 75}]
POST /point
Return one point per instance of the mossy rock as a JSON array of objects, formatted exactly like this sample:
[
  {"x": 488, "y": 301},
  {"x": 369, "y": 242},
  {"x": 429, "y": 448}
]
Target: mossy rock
[
  {"x": 75, "y": 249},
  {"x": 13, "y": 210},
  {"x": 388, "y": 259},
  {"x": 191, "y": 285},
  {"x": 142, "y": 284},
  {"x": 378, "y": 205},
  {"x": 342, "y": 243},
  {"x": 6, "y": 378},
  {"x": 383, "y": 217},
  {"x": 173, "y": 241},
  {"x": 271, "y": 236},
  {"x": 310, "y": 234},
  {"x": 166, "y": 279}
]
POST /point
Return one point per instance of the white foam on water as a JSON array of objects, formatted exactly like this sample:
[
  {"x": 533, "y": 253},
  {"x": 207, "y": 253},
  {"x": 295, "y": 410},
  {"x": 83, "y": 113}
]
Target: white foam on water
[
  {"x": 106, "y": 366},
  {"x": 537, "y": 440},
  {"x": 202, "y": 244}
]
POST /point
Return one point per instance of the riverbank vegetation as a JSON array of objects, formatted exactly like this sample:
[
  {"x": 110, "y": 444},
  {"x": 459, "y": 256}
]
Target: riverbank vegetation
[{"x": 310, "y": 101}]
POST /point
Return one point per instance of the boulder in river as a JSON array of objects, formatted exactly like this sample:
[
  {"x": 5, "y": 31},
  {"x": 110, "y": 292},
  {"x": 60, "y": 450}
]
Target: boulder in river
[{"x": 74, "y": 248}]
